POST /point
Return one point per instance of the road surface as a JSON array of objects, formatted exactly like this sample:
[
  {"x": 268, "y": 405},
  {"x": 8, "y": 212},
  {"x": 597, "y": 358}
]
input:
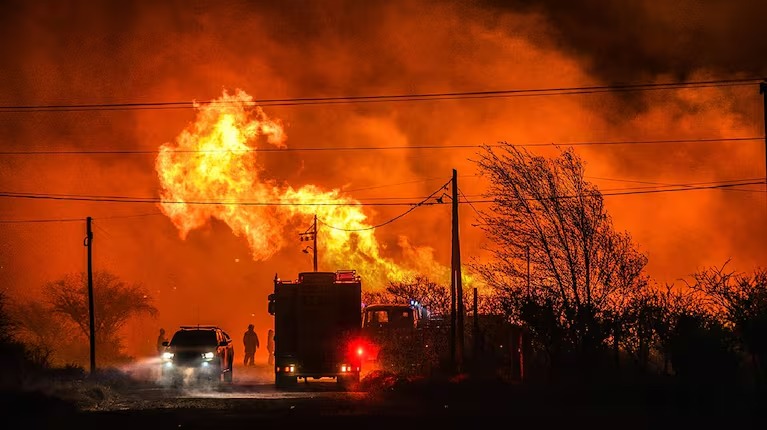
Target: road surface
[{"x": 252, "y": 401}]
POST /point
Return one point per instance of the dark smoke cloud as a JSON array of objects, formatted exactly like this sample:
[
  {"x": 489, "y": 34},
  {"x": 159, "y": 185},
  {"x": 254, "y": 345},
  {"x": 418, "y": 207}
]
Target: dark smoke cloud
[{"x": 635, "y": 40}]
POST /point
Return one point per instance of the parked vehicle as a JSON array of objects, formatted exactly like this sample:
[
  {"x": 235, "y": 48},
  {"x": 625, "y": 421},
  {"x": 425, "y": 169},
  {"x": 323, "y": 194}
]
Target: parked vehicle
[
  {"x": 197, "y": 354},
  {"x": 400, "y": 337}
]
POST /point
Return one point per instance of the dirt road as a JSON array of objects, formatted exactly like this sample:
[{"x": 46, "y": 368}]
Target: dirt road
[{"x": 382, "y": 401}]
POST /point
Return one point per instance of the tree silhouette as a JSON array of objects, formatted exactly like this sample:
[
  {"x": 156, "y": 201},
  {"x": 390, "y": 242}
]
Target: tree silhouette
[
  {"x": 581, "y": 269},
  {"x": 16, "y": 361},
  {"x": 115, "y": 302},
  {"x": 434, "y": 296},
  {"x": 7, "y": 323},
  {"x": 741, "y": 302},
  {"x": 644, "y": 327}
]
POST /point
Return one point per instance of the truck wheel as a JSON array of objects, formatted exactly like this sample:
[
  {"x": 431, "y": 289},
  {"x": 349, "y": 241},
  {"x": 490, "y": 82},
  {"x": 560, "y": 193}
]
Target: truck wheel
[
  {"x": 167, "y": 378},
  {"x": 284, "y": 381},
  {"x": 349, "y": 382}
]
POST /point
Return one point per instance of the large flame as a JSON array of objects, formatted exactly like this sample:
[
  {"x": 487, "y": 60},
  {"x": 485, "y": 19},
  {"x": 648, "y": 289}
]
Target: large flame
[{"x": 212, "y": 171}]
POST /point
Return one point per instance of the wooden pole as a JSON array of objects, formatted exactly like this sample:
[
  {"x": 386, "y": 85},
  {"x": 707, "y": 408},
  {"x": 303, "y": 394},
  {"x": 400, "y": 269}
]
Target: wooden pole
[
  {"x": 456, "y": 269},
  {"x": 92, "y": 319},
  {"x": 315, "y": 242}
]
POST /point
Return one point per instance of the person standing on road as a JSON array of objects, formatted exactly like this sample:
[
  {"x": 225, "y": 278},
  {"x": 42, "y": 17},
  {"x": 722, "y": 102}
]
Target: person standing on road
[
  {"x": 160, "y": 339},
  {"x": 250, "y": 339},
  {"x": 270, "y": 346}
]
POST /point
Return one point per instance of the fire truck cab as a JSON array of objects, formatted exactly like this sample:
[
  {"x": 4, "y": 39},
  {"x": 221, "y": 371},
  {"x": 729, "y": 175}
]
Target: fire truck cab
[{"x": 394, "y": 334}]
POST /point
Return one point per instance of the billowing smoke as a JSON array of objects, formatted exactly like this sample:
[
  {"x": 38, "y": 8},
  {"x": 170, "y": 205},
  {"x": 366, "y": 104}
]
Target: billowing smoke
[{"x": 117, "y": 53}]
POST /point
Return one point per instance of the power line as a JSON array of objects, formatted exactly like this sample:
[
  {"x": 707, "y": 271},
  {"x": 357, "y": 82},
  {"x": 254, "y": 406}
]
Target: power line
[
  {"x": 536, "y": 92},
  {"x": 140, "y": 215},
  {"x": 392, "y": 185},
  {"x": 131, "y": 199},
  {"x": 52, "y": 220},
  {"x": 422, "y": 202},
  {"x": 479, "y": 214},
  {"x": 710, "y": 187},
  {"x": 655, "y": 185},
  {"x": 35, "y": 221},
  {"x": 636, "y": 181},
  {"x": 380, "y": 148},
  {"x": 103, "y": 230},
  {"x": 153, "y": 200}
]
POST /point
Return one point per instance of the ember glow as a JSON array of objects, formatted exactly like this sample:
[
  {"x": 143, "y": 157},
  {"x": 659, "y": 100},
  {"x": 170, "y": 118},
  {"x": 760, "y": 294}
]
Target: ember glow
[{"x": 212, "y": 170}]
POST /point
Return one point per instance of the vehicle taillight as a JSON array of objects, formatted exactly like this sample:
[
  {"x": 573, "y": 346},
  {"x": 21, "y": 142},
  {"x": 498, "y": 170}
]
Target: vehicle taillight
[{"x": 357, "y": 349}]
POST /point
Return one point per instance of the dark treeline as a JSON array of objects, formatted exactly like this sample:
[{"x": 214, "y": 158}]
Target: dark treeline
[{"x": 576, "y": 308}]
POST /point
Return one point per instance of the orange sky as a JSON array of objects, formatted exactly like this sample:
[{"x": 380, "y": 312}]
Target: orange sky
[{"x": 98, "y": 52}]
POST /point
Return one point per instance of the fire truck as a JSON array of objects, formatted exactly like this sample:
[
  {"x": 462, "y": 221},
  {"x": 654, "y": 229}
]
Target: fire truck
[
  {"x": 402, "y": 337},
  {"x": 317, "y": 325}
]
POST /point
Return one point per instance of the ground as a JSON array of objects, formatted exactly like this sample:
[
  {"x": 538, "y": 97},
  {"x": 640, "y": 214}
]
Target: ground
[{"x": 382, "y": 400}]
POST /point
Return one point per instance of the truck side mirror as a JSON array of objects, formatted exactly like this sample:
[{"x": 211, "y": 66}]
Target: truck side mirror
[{"x": 270, "y": 307}]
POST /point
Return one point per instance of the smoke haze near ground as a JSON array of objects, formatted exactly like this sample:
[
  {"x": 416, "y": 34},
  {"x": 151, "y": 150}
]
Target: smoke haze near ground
[{"x": 101, "y": 52}]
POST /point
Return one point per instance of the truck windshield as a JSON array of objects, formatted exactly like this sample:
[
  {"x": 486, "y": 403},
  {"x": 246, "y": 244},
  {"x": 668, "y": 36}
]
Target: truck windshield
[{"x": 390, "y": 317}]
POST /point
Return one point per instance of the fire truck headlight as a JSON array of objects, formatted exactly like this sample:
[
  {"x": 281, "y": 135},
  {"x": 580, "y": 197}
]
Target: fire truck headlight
[
  {"x": 209, "y": 355},
  {"x": 167, "y": 356}
]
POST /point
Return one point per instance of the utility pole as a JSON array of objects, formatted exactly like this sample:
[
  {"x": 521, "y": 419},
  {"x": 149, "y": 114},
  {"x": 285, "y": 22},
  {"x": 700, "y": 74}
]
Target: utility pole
[
  {"x": 311, "y": 234},
  {"x": 456, "y": 277},
  {"x": 452, "y": 312},
  {"x": 315, "y": 242},
  {"x": 475, "y": 332},
  {"x": 763, "y": 92},
  {"x": 92, "y": 320}
]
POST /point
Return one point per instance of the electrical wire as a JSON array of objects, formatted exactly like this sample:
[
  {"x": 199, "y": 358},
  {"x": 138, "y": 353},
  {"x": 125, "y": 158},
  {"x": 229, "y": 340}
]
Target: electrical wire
[
  {"x": 422, "y": 202},
  {"x": 711, "y": 187},
  {"x": 140, "y": 215},
  {"x": 34, "y": 221},
  {"x": 466, "y": 199},
  {"x": 383, "y": 148},
  {"x": 100, "y": 228},
  {"x": 153, "y": 200},
  {"x": 555, "y": 91}
]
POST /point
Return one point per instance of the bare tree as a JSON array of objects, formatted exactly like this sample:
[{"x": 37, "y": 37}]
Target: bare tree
[
  {"x": 580, "y": 267},
  {"x": 435, "y": 297},
  {"x": 115, "y": 302}
]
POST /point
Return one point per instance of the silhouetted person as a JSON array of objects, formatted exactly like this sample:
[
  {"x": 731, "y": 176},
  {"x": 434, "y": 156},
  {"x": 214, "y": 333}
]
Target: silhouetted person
[
  {"x": 270, "y": 346},
  {"x": 160, "y": 339},
  {"x": 250, "y": 340}
]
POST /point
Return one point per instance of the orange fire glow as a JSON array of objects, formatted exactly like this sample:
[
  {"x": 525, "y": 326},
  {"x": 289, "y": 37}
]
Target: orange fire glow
[{"x": 212, "y": 170}]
